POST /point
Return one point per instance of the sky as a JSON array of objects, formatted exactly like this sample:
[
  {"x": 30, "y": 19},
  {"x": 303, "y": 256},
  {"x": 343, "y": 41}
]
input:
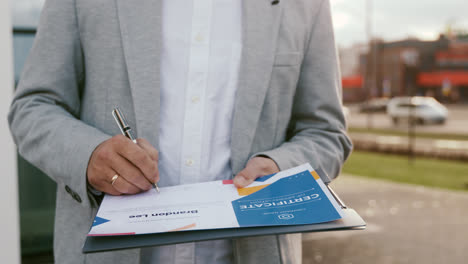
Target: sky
[
  {"x": 392, "y": 19},
  {"x": 397, "y": 19}
]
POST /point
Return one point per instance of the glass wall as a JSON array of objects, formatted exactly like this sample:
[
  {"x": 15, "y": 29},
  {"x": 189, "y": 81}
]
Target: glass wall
[{"x": 36, "y": 190}]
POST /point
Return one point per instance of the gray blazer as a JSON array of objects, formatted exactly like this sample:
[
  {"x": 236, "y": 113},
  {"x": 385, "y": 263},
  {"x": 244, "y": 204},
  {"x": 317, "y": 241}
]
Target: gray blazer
[{"x": 90, "y": 56}]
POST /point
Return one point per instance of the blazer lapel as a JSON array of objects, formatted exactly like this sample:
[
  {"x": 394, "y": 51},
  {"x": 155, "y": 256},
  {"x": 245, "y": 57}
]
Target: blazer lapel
[
  {"x": 140, "y": 25},
  {"x": 260, "y": 26}
]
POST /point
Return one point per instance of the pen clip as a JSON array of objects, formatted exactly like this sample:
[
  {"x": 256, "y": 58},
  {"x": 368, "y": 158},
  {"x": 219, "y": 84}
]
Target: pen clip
[
  {"x": 120, "y": 119},
  {"x": 122, "y": 123}
]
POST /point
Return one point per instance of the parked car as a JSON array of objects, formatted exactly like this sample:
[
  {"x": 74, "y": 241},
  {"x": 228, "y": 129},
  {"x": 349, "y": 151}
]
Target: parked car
[
  {"x": 374, "y": 105},
  {"x": 418, "y": 109}
]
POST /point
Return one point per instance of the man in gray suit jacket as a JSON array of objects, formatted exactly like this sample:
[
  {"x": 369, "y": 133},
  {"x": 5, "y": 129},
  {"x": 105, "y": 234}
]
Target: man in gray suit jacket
[{"x": 90, "y": 56}]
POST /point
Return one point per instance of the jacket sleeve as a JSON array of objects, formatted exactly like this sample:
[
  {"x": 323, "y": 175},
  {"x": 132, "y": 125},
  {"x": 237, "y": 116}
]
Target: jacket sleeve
[
  {"x": 317, "y": 130},
  {"x": 44, "y": 115}
]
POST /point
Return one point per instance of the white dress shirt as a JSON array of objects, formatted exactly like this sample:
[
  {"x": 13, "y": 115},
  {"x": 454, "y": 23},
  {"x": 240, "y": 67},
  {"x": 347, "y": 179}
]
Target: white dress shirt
[{"x": 201, "y": 49}]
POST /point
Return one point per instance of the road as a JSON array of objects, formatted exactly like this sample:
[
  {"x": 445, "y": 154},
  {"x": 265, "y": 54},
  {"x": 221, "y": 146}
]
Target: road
[
  {"x": 457, "y": 122},
  {"x": 406, "y": 224}
]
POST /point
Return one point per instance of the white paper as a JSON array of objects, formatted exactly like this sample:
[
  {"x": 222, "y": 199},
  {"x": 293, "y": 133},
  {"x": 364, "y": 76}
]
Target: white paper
[{"x": 210, "y": 205}]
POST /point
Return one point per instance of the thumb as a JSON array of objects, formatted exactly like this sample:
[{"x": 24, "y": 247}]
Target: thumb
[{"x": 244, "y": 178}]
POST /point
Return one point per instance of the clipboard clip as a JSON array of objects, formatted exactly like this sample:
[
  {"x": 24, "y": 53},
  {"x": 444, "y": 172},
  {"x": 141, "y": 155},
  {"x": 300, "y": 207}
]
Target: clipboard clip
[
  {"x": 327, "y": 181},
  {"x": 338, "y": 200}
]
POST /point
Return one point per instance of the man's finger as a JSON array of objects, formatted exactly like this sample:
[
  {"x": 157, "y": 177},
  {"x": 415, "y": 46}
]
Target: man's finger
[
  {"x": 244, "y": 178},
  {"x": 106, "y": 187},
  {"x": 153, "y": 153},
  {"x": 110, "y": 190},
  {"x": 132, "y": 174},
  {"x": 139, "y": 158},
  {"x": 144, "y": 144},
  {"x": 123, "y": 186},
  {"x": 103, "y": 184}
]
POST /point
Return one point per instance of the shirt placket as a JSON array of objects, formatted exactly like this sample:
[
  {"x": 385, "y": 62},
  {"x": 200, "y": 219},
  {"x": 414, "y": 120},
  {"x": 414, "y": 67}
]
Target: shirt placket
[{"x": 195, "y": 91}]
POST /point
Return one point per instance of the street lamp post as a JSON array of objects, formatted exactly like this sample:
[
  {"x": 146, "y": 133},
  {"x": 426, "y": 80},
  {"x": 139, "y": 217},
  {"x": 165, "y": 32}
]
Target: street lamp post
[
  {"x": 369, "y": 74},
  {"x": 411, "y": 61}
]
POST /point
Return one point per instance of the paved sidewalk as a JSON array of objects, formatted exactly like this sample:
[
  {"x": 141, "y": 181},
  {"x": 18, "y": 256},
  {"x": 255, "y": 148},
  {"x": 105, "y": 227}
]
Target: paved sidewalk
[{"x": 406, "y": 224}]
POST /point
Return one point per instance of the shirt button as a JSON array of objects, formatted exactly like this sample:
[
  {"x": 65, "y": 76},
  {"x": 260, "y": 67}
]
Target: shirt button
[
  {"x": 189, "y": 162},
  {"x": 195, "y": 99},
  {"x": 77, "y": 197},
  {"x": 199, "y": 38}
]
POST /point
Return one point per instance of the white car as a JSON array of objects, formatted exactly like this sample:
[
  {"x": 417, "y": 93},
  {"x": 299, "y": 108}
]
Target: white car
[{"x": 418, "y": 109}]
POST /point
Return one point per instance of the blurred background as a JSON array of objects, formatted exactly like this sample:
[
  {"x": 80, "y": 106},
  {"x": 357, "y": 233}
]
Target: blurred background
[{"x": 404, "y": 71}]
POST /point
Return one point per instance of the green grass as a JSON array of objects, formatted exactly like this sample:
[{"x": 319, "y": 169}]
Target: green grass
[
  {"x": 423, "y": 171},
  {"x": 405, "y": 133}
]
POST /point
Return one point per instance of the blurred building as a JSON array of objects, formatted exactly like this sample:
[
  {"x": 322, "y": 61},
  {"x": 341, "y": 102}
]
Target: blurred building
[
  {"x": 436, "y": 68},
  {"x": 447, "y": 79},
  {"x": 350, "y": 66}
]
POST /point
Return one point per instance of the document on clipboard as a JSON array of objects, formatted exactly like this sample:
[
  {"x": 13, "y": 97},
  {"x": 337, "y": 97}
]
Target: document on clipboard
[{"x": 297, "y": 196}]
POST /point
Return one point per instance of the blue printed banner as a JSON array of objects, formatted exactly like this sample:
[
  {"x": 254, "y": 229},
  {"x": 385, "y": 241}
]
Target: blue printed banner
[{"x": 295, "y": 200}]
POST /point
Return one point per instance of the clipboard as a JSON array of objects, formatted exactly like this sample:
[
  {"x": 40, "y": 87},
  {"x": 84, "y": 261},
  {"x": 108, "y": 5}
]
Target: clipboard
[{"x": 351, "y": 220}]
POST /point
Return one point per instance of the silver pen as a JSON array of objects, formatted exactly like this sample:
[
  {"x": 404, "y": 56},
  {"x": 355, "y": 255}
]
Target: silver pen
[{"x": 127, "y": 131}]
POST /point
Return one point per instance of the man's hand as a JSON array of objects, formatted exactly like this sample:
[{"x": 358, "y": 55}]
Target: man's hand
[
  {"x": 135, "y": 164},
  {"x": 256, "y": 167}
]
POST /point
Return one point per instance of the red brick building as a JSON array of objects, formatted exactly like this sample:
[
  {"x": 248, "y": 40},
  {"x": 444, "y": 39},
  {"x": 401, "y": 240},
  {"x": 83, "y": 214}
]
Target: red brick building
[{"x": 412, "y": 67}]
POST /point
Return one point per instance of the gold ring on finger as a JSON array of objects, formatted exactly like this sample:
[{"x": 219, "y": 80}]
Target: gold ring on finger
[{"x": 114, "y": 179}]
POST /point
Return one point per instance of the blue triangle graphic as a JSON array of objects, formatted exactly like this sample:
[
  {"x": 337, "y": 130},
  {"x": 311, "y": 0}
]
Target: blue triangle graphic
[{"x": 98, "y": 220}]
